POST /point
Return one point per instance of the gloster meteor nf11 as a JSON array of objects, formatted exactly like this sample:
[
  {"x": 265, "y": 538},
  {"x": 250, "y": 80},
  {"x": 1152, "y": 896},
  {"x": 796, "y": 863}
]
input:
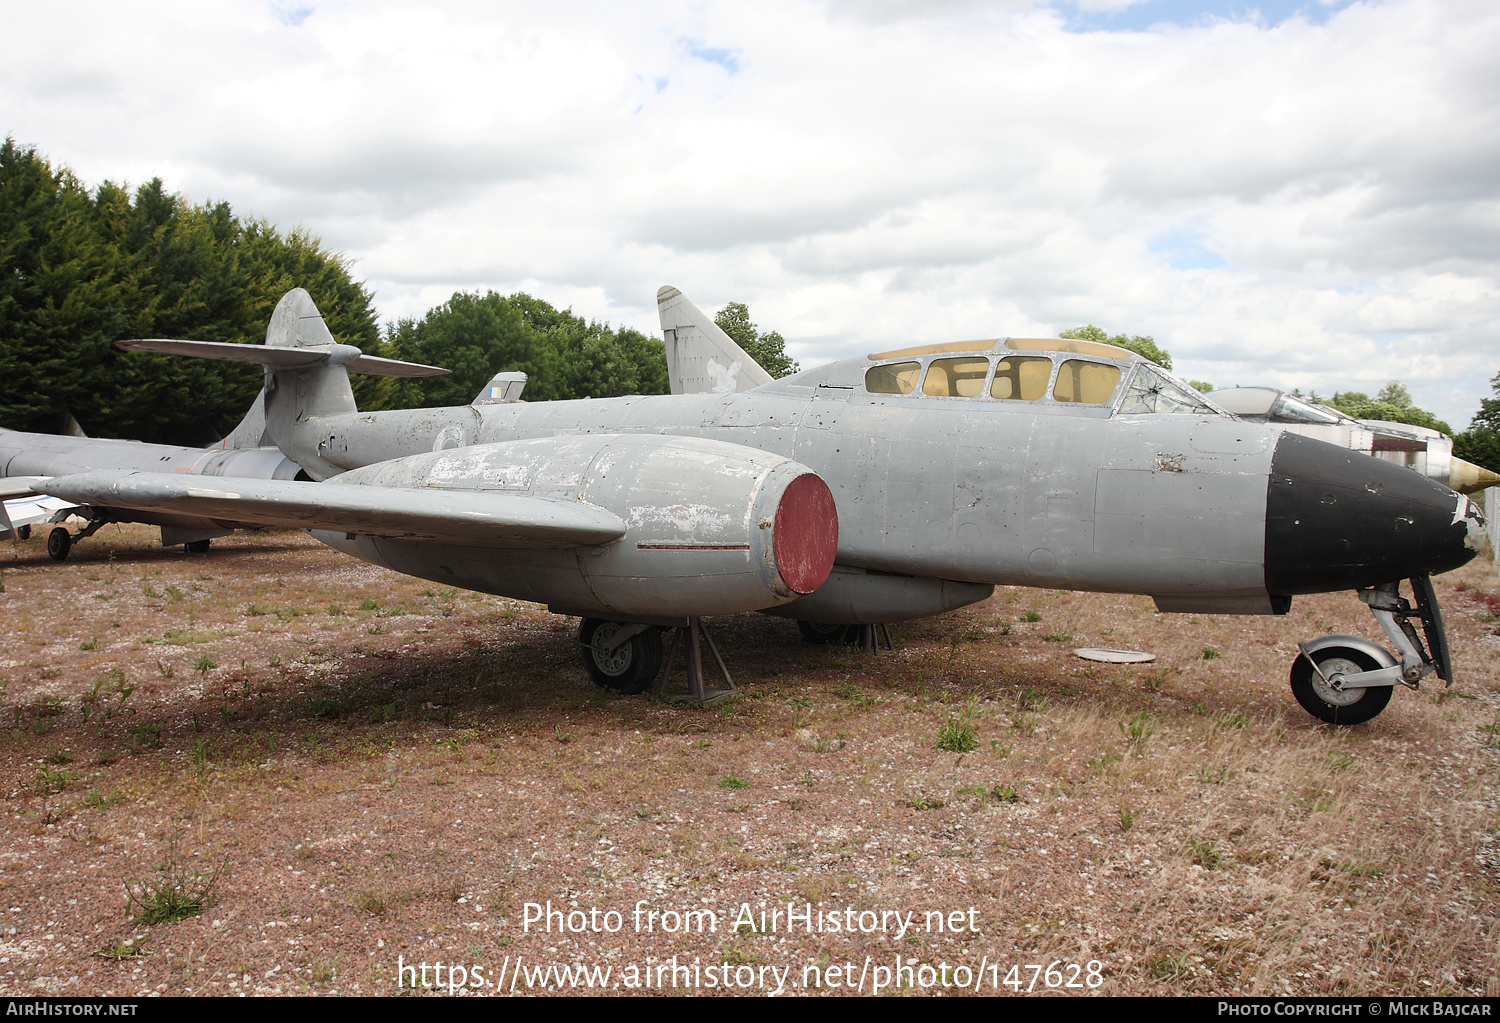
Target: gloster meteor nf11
[{"x": 903, "y": 484}]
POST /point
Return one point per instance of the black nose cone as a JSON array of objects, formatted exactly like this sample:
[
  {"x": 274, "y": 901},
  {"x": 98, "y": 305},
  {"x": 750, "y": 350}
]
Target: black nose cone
[{"x": 1337, "y": 519}]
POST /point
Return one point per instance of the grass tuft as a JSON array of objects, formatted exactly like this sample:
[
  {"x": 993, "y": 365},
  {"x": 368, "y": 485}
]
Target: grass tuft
[
  {"x": 173, "y": 891},
  {"x": 957, "y": 734}
]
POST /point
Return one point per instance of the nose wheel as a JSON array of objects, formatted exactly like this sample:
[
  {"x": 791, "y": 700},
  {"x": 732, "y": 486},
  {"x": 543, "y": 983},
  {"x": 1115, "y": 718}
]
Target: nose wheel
[
  {"x": 1324, "y": 682},
  {"x": 1346, "y": 680}
]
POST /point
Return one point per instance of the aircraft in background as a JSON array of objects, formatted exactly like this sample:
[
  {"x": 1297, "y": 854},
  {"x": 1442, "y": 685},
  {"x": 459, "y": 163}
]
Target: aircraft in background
[
  {"x": 1427, "y": 451},
  {"x": 27, "y": 458},
  {"x": 903, "y": 484}
]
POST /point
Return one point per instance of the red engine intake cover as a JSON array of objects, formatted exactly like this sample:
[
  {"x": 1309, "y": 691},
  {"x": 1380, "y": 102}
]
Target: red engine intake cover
[{"x": 806, "y": 536}]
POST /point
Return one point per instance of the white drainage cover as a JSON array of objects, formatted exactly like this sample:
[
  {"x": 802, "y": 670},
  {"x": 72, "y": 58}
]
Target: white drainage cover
[{"x": 1089, "y": 653}]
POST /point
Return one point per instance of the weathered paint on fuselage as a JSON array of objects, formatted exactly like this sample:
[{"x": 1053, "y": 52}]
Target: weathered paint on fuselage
[{"x": 1035, "y": 494}]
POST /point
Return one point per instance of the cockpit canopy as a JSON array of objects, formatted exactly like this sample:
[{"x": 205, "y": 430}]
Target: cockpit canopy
[
  {"x": 1051, "y": 370},
  {"x": 1270, "y": 405}
]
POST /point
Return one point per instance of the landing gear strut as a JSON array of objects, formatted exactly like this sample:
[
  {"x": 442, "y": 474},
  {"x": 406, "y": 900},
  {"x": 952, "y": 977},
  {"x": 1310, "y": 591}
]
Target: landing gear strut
[
  {"x": 1346, "y": 680},
  {"x": 60, "y": 541}
]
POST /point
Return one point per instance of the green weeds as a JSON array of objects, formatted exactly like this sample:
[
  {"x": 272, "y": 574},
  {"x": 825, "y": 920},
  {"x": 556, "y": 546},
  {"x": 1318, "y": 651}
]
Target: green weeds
[
  {"x": 957, "y": 735},
  {"x": 173, "y": 891}
]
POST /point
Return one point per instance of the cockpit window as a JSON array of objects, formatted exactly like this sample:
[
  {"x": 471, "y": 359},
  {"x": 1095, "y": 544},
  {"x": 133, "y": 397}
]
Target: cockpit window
[
  {"x": 1293, "y": 410},
  {"x": 1091, "y": 383},
  {"x": 956, "y": 378},
  {"x": 897, "y": 378},
  {"x": 1151, "y": 390},
  {"x": 1246, "y": 401},
  {"x": 1021, "y": 378}
]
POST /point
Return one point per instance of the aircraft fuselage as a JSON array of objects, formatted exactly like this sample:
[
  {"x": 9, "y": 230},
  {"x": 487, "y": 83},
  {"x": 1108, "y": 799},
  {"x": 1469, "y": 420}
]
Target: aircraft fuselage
[{"x": 984, "y": 492}]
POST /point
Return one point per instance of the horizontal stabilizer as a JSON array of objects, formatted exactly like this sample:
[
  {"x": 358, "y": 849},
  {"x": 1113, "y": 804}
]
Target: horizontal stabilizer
[
  {"x": 279, "y": 358},
  {"x": 461, "y": 517}
]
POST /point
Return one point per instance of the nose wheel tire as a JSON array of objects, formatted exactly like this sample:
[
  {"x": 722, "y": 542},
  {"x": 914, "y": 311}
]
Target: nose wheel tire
[
  {"x": 59, "y": 543},
  {"x": 626, "y": 667},
  {"x": 825, "y": 635},
  {"x": 197, "y": 546},
  {"x": 1348, "y": 706}
]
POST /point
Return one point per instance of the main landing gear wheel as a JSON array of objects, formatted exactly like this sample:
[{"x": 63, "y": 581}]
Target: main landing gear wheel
[
  {"x": 23, "y": 533},
  {"x": 823, "y": 634},
  {"x": 1349, "y": 706},
  {"x": 59, "y": 543},
  {"x": 626, "y": 667},
  {"x": 197, "y": 546}
]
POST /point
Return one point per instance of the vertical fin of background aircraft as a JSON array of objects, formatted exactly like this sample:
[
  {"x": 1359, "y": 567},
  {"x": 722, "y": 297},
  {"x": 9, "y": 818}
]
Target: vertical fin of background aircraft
[
  {"x": 295, "y": 395},
  {"x": 251, "y": 433},
  {"x": 307, "y": 376},
  {"x": 701, "y": 358},
  {"x": 506, "y": 385}
]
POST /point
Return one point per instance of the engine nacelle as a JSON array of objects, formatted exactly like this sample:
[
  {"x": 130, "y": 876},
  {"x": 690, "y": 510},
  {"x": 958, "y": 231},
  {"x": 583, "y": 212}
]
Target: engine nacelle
[{"x": 711, "y": 528}]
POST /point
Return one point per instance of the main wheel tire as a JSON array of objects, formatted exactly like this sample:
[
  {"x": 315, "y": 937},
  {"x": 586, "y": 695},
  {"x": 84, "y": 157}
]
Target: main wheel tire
[
  {"x": 23, "y": 532},
  {"x": 198, "y": 546},
  {"x": 59, "y": 543},
  {"x": 628, "y": 667},
  {"x": 826, "y": 635},
  {"x": 1338, "y": 706}
]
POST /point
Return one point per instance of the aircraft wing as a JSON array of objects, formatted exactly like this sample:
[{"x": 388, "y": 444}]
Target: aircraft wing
[
  {"x": 23, "y": 504},
  {"x": 21, "y": 486},
  {"x": 468, "y": 518}
]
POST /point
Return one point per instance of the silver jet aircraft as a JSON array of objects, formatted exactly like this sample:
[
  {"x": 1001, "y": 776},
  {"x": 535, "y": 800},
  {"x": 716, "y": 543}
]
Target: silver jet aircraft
[{"x": 898, "y": 485}]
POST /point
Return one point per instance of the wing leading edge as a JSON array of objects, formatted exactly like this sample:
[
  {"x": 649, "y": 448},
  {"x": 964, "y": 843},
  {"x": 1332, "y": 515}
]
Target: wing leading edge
[{"x": 462, "y": 518}]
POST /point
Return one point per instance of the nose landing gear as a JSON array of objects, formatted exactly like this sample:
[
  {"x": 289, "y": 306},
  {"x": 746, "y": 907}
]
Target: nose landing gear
[{"x": 1346, "y": 680}]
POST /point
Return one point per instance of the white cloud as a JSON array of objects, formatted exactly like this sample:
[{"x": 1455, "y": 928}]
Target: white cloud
[{"x": 1306, "y": 204}]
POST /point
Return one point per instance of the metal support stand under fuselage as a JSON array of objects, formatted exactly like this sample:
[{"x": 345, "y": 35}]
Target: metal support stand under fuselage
[
  {"x": 873, "y": 637},
  {"x": 696, "y": 690}
]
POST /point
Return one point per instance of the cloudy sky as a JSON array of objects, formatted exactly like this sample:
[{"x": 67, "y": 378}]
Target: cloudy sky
[{"x": 1290, "y": 192}]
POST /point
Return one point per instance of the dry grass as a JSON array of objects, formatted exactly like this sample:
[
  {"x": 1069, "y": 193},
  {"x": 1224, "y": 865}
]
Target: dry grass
[{"x": 390, "y": 768}]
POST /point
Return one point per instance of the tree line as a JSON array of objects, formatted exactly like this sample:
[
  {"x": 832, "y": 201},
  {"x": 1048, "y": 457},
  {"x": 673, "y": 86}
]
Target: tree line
[{"x": 82, "y": 268}]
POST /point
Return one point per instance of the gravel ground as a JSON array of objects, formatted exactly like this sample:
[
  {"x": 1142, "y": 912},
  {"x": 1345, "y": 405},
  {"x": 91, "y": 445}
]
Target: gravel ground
[{"x": 357, "y": 777}]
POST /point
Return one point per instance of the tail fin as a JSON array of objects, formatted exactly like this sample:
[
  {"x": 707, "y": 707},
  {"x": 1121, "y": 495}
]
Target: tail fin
[
  {"x": 701, "y": 358},
  {"x": 307, "y": 374},
  {"x": 503, "y": 387}
]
